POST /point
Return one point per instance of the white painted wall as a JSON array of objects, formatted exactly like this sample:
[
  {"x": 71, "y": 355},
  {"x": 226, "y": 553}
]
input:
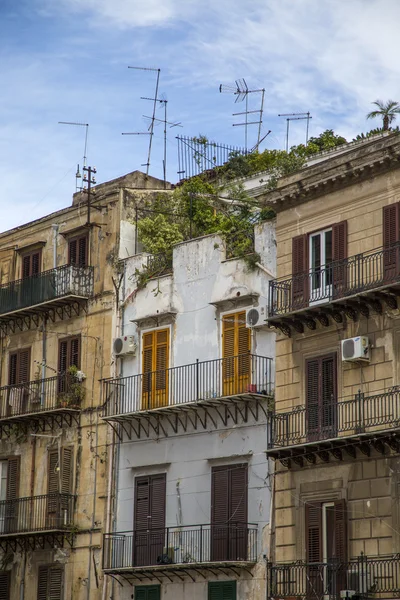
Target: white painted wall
[{"x": 201, "y": 276}]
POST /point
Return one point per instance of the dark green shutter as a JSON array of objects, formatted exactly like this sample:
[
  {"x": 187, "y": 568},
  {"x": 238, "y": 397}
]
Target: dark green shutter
[
  {"x": 50, "y": 583},
  {"x": 147, "y": 592},
  {"x": 222, "y": 590},
  {"x": 5, "y": 585}
]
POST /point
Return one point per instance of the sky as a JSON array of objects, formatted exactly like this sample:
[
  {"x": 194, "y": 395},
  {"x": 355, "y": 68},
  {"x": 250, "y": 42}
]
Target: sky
[{"x": 67, "y": 60}]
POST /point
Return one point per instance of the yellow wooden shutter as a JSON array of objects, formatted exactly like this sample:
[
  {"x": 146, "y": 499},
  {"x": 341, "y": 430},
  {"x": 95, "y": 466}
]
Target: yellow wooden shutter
[
  {"x": 155, "y": 360},
  {"x": 235, "y": 353}
]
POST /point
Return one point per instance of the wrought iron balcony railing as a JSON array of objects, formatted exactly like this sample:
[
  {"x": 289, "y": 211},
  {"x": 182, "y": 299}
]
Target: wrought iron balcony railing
[
  {"x": 362, "y": 577},
  {"x": 361, "y": 414},
  {"x": 207, "y": 380},
  {"x": 194, "y": 544},
  {"x": 61, "y": 282},
  {"x": 39, "y": 396},
  {"x": 337, "y": 280},
  {"x": 50, "y": 512}
]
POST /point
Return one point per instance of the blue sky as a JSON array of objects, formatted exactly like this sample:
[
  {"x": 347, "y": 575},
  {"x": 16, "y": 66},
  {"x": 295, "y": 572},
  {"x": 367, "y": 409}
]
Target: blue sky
[{"x": 66, "y": 60}]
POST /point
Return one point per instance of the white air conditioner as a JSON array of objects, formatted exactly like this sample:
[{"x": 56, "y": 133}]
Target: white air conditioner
[
  {"x": 125, "y": 345},
  {"x": 256, "y": 316},
  {"x": 356, "y": 349}
]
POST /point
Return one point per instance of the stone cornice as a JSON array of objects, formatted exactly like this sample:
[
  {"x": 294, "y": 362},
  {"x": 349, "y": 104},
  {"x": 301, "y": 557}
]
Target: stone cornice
[{"x": 338, "y": 172}]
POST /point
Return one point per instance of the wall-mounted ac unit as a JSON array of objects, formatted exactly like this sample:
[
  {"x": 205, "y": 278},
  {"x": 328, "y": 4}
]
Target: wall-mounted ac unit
[
  {"x": 125, "y": 345},
  {"x": 356, "y": 349},
  {"x": 256, "y": 316}
]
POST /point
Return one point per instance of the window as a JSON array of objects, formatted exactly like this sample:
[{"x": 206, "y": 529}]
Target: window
[
  {"x": 314, "y": 278},
  {"x": 229, "y": 485},
  {"x": 31, "y": 263},
  {"x": 236, "y": 346},
  {"x": 50, "y": 583},
  {"x": 149, "y": 515},
  {"x": 18, "y": 373},
  {"x": 222, "y": 590},
  {"x": 9, "y": 489},
  {"x": 155, "y": 364},
  {"x": 5, "y": 585},
  {"x": 391, "y": 237},
  {"x": 321, "y": 397},
  {"x": 59, "y": 481},
  {"x": 78, "y": 251},
  {"x": 69, "y": 354},
  {"x": 147, "y": 592},
  {"x": 326, "y": 546}
]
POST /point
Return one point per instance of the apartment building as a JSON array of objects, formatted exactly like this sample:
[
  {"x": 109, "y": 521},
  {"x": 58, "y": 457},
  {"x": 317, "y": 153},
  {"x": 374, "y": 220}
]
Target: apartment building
[
  {"x": 189, "y": 410},
  {"x": 57, "y": 294},
  {"x": 335, "y": 432}
]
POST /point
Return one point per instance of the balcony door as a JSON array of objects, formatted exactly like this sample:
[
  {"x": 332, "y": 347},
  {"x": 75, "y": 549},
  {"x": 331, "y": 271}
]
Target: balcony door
[
  {"x": 236, "y": 359},
  {"x": 18, "y": 376},
  {"x": 59, "y": 489},
  {"x": 9, "y": 487},
  {"x": 321, "y": 397},
  {"x": 320, "y": 256},
  {"x": 326, "y": 548},
  {"x": 229, "y": 512},
  {"x": 149, "y": 519},
  {"x": 69, "y": 355},
  {"x": 155, "y": 365}
]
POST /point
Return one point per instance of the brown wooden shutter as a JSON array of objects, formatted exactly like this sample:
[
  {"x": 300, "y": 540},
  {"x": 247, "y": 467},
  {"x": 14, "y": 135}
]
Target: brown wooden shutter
[
  {"x": 19, "y": 367},
  {"x": 340, "y": 517},
  {"x": 150, "y": 496},
  {"x": 157, "y": 501},
  {"x": 31, "y": 264},
  {"x": 238, "y": 494},
  {"x": 69, "y": 354},
  {"x": 313, "y": 532},
  {"x": 62, "y": 356},
  {"x": 12, "y": 369},
  {"x": 50, "y": 583},
  {"x": 35, "y": 268},
  {"x": 328, "y": 395},
  {"x": 219, "y": 495},
  {"x": 53, "y": 475},
  {"x": 26, "y": 266},
  {"x": 391, "y": 227},
  {"x": 42, "y": 583},
  {"x": 60, "y": 480},
  {"x": 5, "y": 585},
  {"x": 75, "y": 359},
  {"x": 300, "y": 271},
  {"x": 72, "y": 252},
  {"x": 312, "y": 398},
  {"x": 339, "y": 253},
  {"x": 13, "y": 476},
  {"x": 82, "y": 251},
  {"x": 142, "y": 503},
  {"x": 66, "y": 470}
]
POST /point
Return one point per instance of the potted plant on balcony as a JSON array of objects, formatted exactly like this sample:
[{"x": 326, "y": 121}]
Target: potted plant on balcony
[{"x": 73, "y": 392}]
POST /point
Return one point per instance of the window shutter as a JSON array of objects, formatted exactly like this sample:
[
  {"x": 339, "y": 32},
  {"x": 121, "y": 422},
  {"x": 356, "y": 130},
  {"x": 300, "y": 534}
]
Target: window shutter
[
  {"x": 228, "y": 336},
  {"x": 157, "y": 501},
  {"x": 312, "y": 397},
  {"x": 313, "y": 533},
  {"x": 147, "y": 361},
  {"x": 66, "y": 470},
  {"x": 75, "y": 353},
  {"x": 26, "y": 266},
  {"x": 5, "y": 585},
  {"x": 42, "y": 583},
  {"x": 162, "y": 351},
  {"x": 13, "y": 472},
  {"x": 328, "y": 394},
  {"x": 35, "y": 268},
  {"x": 340, "y": 518},
  {"x": 222, "y": 590},
  {"x": 140, "y": 593},
  {"x": 53, "y": 474},
  {"x": 73, "y": 252},
  {"x": 12, "y": 369},
  {"x": 153, "y": 593},
  {"x": 24, "y": 366},
  {"x": 300, "y": 270},
  {"x": 63, "y": 356},
  {"x": 238, "y": 494},
  {"x": 391, "y": 226},
  {"x": 339, "y": 253},
  {"x": 142, "y": 503},
  {"x": 82, "y": 251},
  {"x": 55, "y": 583},
  {"x": 155, "y": 364},
  {"x": 219, "y": 495}
]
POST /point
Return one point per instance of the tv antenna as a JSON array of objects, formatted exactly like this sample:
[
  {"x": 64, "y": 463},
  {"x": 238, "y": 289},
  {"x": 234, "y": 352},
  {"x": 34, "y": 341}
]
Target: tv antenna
[
  {"x": 151, "y": 128},
  {"x": 86, "y": 125},
  {"x": 242, "y": 91},
  {"x": 164, "y": 102},
  {"x": 296, "y": 117}
]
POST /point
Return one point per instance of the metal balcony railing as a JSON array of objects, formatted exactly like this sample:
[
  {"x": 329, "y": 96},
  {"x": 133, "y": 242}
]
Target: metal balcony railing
[
  {"x": 361, "y": 414},
  {"x": 339, "y": 279},
  {"x": 40, "y": 395},
  {"x": 68, "y": 280},
  {"x": 362, "y": 577},
  {"x": 207, "y": 380},
  {"x": 195, "y": 544},
  {"x": 36, "y": 513}
]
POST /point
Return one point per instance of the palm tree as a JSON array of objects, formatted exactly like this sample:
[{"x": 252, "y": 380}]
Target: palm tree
[{"x": 387, "y": 110}]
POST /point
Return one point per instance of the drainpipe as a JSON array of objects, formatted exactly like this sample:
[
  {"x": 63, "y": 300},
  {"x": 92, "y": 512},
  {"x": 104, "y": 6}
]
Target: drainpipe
[
  {"x": 22, "y": 584},
  {"x": 44, "y": 359},
  {"x": 55, "y": 227}
]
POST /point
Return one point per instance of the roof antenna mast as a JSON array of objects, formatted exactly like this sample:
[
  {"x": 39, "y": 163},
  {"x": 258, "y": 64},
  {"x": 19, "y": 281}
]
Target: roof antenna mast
[
  {"x": 296, "y": 117},
  {"x": 86, "y": 125}
]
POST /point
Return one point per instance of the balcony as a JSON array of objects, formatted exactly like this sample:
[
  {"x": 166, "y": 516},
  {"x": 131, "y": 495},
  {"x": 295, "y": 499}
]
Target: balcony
[
  {"x": 56, "y": 291},
  {"x": 362, "y": 577},
  {"x": 344, "y": 288},
  {"x": 363, "y": 423},
  {"x": 54, "y": 400},
  {"x": 47, "y": 518},
  {"x": 234, "y": 386},
  {"x": 176, "y": 550}
]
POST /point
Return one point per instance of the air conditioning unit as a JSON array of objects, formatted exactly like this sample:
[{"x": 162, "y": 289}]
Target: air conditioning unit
[
  {"x": 125, "y": 345},
  {"x": 356, "y": 349},
  {"x": 256, "y": 316}
]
